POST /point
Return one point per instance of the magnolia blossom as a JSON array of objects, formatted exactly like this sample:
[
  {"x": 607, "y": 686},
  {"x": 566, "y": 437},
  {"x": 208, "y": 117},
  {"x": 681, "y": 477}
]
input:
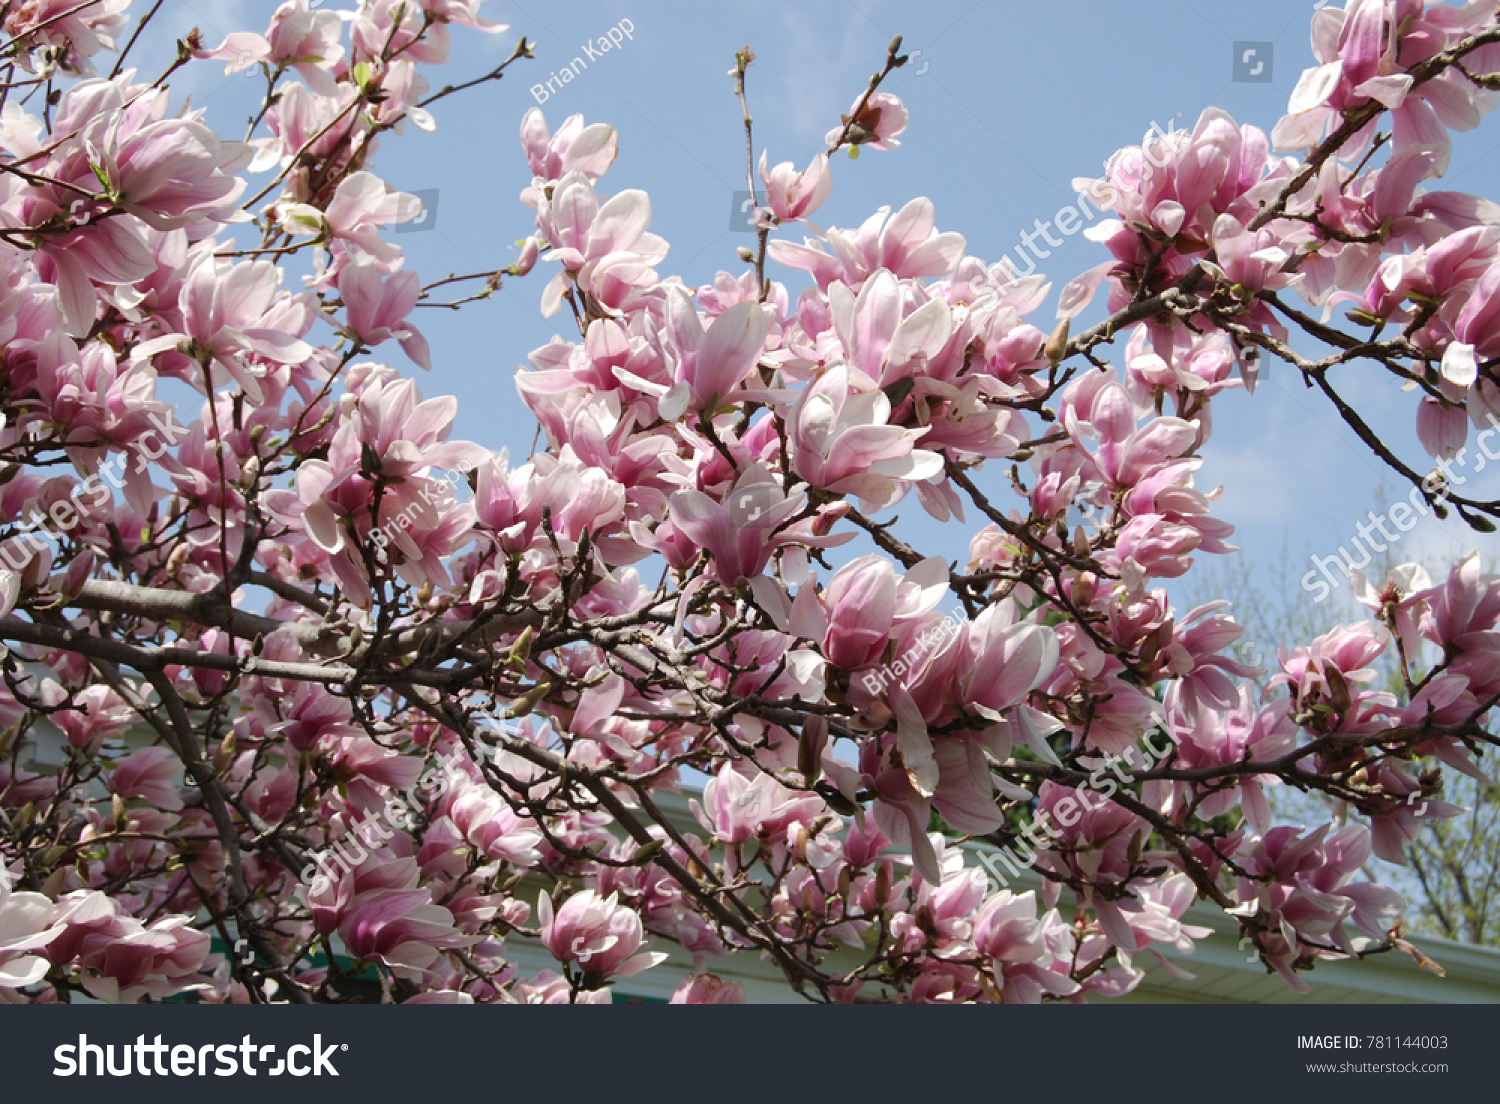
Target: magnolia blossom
[
  {"x": 842, "y": 442},
  {"x": 25, "y": 926},
  {"x": 423, "y": 684},
  {"x": 597, "y": 933}
]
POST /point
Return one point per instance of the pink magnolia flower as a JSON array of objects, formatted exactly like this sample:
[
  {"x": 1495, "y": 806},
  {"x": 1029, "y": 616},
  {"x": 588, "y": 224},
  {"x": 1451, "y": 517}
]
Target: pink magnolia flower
[
  {"x": 300, "y": 38},
  {"x": 151, "y": 774},
  {"x": 908, "y": 245},
  {"x": 1021, "y": 954},
  {"x": 552, "y": 988},
  {"x": 109, "y": 251},
  {"x": 598, "y": 933},
  {"x": 351, "y": 223},
  {"x": 1365, "y": 51},
  {"x": 301, "y": 121},
  {"x": 383, "y": 914},
  {"x": 172, "y": 172},
  {"x": 604, "y": 249},
  {"x": 1001, "y": 660},
  {"x": 742, "y": 534},
  {"x": 890, "y": 330},
  {"x": 793, "y": 195},
  {"x": 574, "y": 148},
  {"x": 737, "y": 809},
  {"x": 79, "y": 31},
  {"x": 377, "y": 309},
  {"x": 227, "y": 311},
  {"x": 710, "y": 364},
  {"x": 1441, "y": 427},
  {"x": 493, "y": 827},
  {"x": 121, "y": 959},
  {"x": 1467, "y": 602},
  {"x": 842, "y": 442},
  {"x": 1399, "y": 604},
  {"x": 877, "y": 123},
  {"x": 25, "y": 925},
  {"x": 708, "y": 989},
  {"x": 865, "y": 600},
  {"x": 101, "y": 714}
]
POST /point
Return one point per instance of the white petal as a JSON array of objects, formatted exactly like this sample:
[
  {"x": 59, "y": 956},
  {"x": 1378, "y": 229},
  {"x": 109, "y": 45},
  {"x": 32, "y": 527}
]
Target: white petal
[
  {"x": 1459, "y": 365},
  {"x": 1315, "y": 86},
  {"x": 674, "y": 403}
]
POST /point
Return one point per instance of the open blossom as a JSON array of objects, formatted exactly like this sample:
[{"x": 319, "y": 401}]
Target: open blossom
[
  {"x": 710, "y": 364},
  {"x": 77, "y": 31},
  {"x": 152, "y": 774},
  {"x": 1000, "y": 660},
  {"x": 906, "y": 243},
  {"x": 708, "y": 989},
  {"x": 597, "y": 933},
  {"x": 122, "y": 959},
  {"x": 230, "y": 313},
  {"x": 843, "y": 442},
  {"x": 299, "y": 37},
  {"x": 378, "y": 308},
  {"x": 26, "y": 926},
  {"x": 574, "y": 148},
  {"x": 737, "y": 809},
  {"x": 604, "y": 249},
  {"x": 1023, "y": 959},
  {"x": 793, "y": 195}
]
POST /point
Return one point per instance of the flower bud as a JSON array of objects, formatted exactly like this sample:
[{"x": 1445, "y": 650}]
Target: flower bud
[
  {"x": 1083, "y": 590},
  {"x": 528, "y": 701},
  {"x": 520, "y": 651},
  {"x": 224, "y": 754},
  {"x": 1057, "y": 345},
  {"x": 55, "y": 882},
  {"x": 177, "y": 559}
]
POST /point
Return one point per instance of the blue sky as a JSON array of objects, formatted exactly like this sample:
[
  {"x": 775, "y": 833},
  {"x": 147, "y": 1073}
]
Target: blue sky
[{"x": 1008, "y": 102}]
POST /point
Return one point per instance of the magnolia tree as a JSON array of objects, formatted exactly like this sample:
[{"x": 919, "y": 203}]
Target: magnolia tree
[{"x": 299, "y": 674}]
